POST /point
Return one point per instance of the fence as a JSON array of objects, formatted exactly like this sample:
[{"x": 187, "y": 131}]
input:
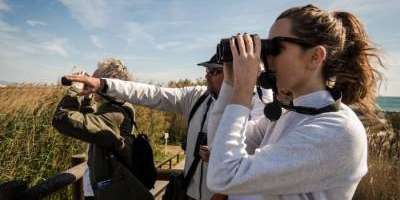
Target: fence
[{"x": 19, "y": 190}]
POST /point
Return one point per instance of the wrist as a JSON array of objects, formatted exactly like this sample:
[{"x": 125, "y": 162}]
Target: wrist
[{"x": 242, "y": 97}]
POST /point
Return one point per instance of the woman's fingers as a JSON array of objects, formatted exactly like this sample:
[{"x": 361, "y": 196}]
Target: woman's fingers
[
  {"x": 249, "y": 44},
  {"x": 234, "y": 49},
  {"x": 241, "y": 45}
]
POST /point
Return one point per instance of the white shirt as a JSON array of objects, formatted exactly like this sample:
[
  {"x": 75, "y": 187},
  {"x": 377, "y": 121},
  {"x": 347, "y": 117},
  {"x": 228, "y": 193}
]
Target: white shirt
[
  {"x": 177, "y": 100},
  {"x": 297, "y": 157}
]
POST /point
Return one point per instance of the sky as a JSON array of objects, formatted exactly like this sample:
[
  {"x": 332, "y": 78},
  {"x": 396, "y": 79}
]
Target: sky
[{"x": 40, "y": 40}]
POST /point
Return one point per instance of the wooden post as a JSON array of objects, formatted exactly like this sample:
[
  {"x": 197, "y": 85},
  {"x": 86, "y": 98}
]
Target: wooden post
[{"x": 77, "y": 187}]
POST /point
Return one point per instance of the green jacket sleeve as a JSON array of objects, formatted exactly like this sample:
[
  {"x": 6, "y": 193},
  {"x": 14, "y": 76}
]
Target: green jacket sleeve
[{"x": 100, "y": 128}]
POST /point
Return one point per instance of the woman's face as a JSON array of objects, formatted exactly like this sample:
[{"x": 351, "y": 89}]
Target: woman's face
[{"x": 290, "y": 64}]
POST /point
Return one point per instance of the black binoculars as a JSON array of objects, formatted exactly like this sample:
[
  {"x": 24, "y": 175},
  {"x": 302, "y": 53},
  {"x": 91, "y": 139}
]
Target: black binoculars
[
  {"x": 224, "y": 53},
  {"x": 269, "y": 47},
  {"x": 65, "y": 81}
]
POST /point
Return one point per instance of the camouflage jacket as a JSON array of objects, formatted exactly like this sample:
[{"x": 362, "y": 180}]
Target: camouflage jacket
[{"x": 102, "y": 129}]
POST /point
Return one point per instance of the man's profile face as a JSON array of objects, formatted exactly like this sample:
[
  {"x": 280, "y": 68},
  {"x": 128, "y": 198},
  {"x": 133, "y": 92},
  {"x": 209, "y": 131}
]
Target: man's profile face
[{"x": 214, "y": 77}]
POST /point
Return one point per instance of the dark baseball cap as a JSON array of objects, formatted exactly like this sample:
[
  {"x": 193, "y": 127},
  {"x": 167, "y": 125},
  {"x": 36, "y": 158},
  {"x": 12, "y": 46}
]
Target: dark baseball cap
[{"x": 212, "y": 63}]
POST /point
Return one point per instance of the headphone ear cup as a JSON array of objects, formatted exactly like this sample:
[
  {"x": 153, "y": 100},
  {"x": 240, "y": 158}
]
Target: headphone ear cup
[{"x": 273, "y": 111}]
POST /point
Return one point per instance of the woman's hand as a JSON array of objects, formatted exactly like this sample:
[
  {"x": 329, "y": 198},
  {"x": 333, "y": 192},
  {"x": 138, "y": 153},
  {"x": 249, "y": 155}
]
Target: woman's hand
[{"x": 246, "y": 65}]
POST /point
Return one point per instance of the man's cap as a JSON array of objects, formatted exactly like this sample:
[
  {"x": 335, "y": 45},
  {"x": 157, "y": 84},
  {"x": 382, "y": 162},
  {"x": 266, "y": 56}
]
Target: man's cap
[{"x": 212, "y": 63}]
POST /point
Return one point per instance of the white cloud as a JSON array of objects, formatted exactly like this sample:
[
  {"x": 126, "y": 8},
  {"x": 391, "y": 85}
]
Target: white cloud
[
  {"x": 96, "y": 42},
  {"x": 35, "y": 23},
  {"x": 56, "y": 46},
  {"x": 4, "y": 6},
  {"x": 109, "y": 17},
  {"x": 90, "y": 14},
  {"x": 25, "y": 57},
  {"x": 17, "y": 45}
]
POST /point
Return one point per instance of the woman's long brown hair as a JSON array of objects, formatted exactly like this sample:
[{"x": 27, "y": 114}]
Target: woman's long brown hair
[{"x": 349, "y": 61}]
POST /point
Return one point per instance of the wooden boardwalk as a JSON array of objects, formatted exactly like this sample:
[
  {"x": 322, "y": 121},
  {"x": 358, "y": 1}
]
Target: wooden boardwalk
[
  {"x": 73, "y": 176},
  {"x": 159, "y": 187}
]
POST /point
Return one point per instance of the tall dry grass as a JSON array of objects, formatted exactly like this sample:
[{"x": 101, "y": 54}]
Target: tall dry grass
[
  {"x": 382, "y": 181},
  {"x": 30, "y": 148}
]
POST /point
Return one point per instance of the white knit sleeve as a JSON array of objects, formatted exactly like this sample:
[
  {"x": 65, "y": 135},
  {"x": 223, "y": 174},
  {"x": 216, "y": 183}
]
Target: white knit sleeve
[{"x": 311, "y": 157}]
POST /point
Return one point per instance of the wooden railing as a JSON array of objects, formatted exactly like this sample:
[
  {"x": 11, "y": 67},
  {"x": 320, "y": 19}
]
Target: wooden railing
[
  {"x": 169, "y": 161},
  {"x": 19, "y": 190}
]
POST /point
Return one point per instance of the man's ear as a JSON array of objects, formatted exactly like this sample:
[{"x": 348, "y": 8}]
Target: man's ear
[{"x": 317, "y": 57}]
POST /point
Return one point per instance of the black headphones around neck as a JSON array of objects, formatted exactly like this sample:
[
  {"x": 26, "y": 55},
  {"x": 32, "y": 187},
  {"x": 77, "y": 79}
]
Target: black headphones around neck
[{"x": 273, "y": 110}]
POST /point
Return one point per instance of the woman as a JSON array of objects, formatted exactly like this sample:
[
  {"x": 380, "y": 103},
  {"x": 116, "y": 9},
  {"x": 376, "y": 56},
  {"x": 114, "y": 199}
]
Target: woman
[
  {"x": 301, "y": 155},
  {"x": 108, "y": 132}
]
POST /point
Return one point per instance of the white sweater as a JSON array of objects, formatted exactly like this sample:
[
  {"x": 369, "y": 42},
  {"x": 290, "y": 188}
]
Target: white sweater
[{"x": 297, "y": 157}]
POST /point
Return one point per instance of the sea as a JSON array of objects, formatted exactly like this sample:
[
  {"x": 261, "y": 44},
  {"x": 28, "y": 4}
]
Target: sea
[{"x": 389, "y": 103}]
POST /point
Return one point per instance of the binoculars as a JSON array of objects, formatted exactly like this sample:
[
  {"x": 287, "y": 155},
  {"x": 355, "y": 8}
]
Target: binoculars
[
  {"x": 65, "y": 81},
  {"x": 269, "y": 47},
  {"x": 224, "y": 53}
]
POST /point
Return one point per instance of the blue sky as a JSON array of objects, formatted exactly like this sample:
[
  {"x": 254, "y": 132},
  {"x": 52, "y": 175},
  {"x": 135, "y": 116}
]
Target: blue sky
[{"x": 40, "y": 40}]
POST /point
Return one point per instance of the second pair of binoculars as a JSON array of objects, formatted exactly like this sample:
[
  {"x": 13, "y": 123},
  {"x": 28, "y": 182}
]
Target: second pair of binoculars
[
  {"x": 224, "y": 53},
  {"x": 67, "y": 82}
]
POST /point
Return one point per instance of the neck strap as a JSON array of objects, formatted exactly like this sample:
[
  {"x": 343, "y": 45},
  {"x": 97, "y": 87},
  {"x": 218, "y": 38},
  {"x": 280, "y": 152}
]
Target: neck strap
[{"x": 273, "y": 110}]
